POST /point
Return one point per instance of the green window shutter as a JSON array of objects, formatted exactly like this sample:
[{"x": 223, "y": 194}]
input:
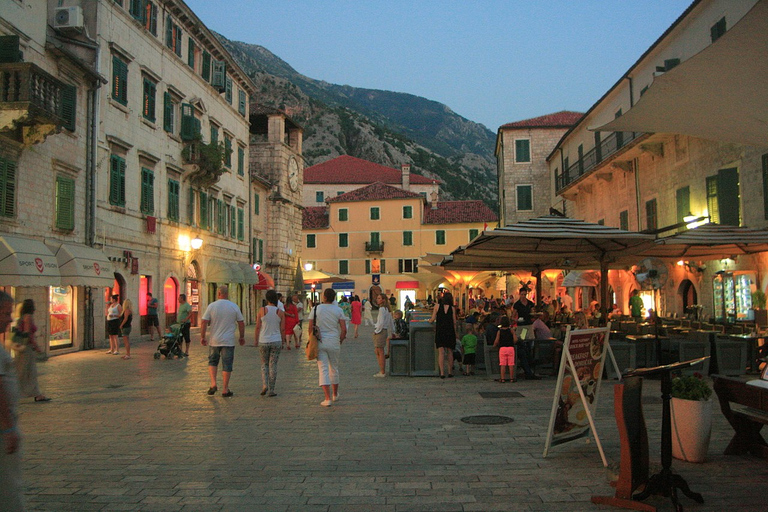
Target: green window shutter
[
  {"x": 407, "y": 212},
  {"x": 137, "y": 10},
  {"x": 228, "y": 91},
  {"x": 261, "y": 250},
  {"x": 524, "y": 198},
  {"x": 367, "y": 266},
  {"x": 651, "y": 221},
  {"x": 712, "y": 205},
  {"x": 214, "y": 134},
  {"x": 343, "y": 214},
  {"x": 473, "y": 234},
  {"x": 150, "y": 15},
  {"x": 624, "y": 220},
  {"x": 10, "y": 50},
  {"x": 147, "y": 191},
  {"x": 119, "y": 80},
  {"x": 190, "y": 125},
  {"x": 240, "y": 161},
  {"x": 343, "y": 267},
  {"x": 65, "y": 203},
  {"x": 233, "y": 221},
  {"x": 117, "y": 181},
  {"x": 375, "y": 213},
  {"x": 343, "y": 240},
  {"x": 407, "y": 237},
  {"x": 383, "y": 264},
  {"x": 683, "y": 201},
  {"x": 717, "y": 30},
  {"x": 728, "y": 196},
  {"x": 375, "y": 238},
  {"x": 167, "y": 112},
  {"x": 219, "y": 78},
  {"x": 149, "y": 100},
  {"x": 69, "y": 106},
  {"x": 598, "y": 148},
  {"x": 191, "y": 207},
  {"x": 522, "y": 151},
  {"x": 173, "y": 200},
  {"x": 206, "y": 71},
  {"x": 240, "y": 224},
  {"x": 169, "y": 32},
  {"x": 227, "y": 151},
  {"x": 203, "y": 210},
  {"x": 190, "y": 52},
  {"x": 319, "y": 197},
  {"x": 311, "y": 241},
  {"x": 440, "y": 237},
  {"x": 177, "y": 36},
  {"x": 7, "y": 187},
  {"x": 241, "y": 103},
  {"x": 256, "y": 204},
  {"x": 221, "y": 217}
]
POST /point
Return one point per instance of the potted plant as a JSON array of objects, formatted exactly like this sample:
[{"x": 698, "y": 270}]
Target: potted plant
[{"x": 691, "y": 415}]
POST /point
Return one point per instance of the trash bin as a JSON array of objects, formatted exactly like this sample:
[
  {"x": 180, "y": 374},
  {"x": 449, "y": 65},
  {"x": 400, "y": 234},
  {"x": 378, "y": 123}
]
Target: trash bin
[
  {"x": 399, "y": 360},
  {"x": 423, "y": 353}
]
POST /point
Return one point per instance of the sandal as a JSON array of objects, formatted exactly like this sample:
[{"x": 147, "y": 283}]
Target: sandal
[
  {"x": 212, "y": 391},
  {"x": 126, "y": 356},
  {"x": 502, "y": 381}
]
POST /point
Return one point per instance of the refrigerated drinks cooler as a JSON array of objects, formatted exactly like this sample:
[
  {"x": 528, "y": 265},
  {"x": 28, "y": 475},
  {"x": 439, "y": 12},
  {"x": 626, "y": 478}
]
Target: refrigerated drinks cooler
[{"x": 732, "y": 297}]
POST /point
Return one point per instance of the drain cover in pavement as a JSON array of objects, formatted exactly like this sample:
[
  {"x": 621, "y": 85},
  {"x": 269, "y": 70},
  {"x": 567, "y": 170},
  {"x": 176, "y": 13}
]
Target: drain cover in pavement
[
  {"x": 487, "y": 420},
  {"x": 500, "y": 394}
]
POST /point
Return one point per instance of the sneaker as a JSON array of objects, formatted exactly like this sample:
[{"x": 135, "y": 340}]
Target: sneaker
[
  {"x": 108, "y": 352},
  {"x": 325, "y": 403},
  {"x": 335, "y": 398},
  {"x": 379, "y": 374}
]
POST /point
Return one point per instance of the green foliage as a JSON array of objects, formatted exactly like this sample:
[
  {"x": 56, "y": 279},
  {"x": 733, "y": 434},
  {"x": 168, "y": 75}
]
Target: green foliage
[
  {"x": 691, "y": 387},
  {"x": 209, "y": 159},
  {"x": 758, "y": 299}
]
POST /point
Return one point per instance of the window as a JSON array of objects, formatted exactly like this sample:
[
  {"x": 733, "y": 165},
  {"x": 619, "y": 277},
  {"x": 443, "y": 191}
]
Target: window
[
  {"x": 343, "y": 214},
  {"x": 227, "y": 151},
  {"x": 407, "y": 237},
  {"x": 624, "y": 220},
  {"x": 522, "y": 151},
  {"x": 190, "y": 125},
  {"x": 473, "y": 234},
  {"x": 383, "y": 266},
  {"x": 311, "y": 241},
  {"x": 339, "y": 192},
  {"x": 169, "y": 112},
  {"x": 147, "y": 191},
  {"x": 256, "y": 204},
  {"x": 191, "y": 53},
  {"x": 712, "y": 206},
  {"x": 407, "y": 266},
  {"x": 375, "y": 214},
  {"x": 765, "y": 185},
  {"x": 651, "y": 217},
  {"x": 240, "y": 160},
  {"x": 367, "y": 266},
  {"x": 150, "y": 18},
  {"x": 728, "y": 196},
  {"x": 683, "y": 202},
  {"x": 221, "y": 217},
  {"x": 717, "y": 30},
  {"x": 117, "y": 180},
  {"x": 228, "y": 90},
  {"x": 233, "y": 221},
  {"x": 191, "y": 207},
  {"x": 319, "y": 197},
  {"x": 69, "y": 106},
  {"x": 7, "y": 187},
  {"x": 65, "y": 203},
  {"x": 173, "y": 200},
  {"x": 203, "y": 210},
  {"x": 440, "y": 237},
  {"x": 343, "y": 267},
  {"x": 119, "y": 80},
  {"x": 173, "y": 36},
  {"x": 205, "y": 72},
  {"x": 343, "y": 240},
  {"x": 214, "y": 134},
  {"x": 241, "y": 103},
  {"x": 240, "y": 224},
  {"x": 375, "y": 239},
  {"x": 407, "y": 212},
  {"x": 150, "y": 91},
  {"x": 258, "y": 250},
  {"x": 136, "y": 9},
  {"x": 524, "y": 198}
]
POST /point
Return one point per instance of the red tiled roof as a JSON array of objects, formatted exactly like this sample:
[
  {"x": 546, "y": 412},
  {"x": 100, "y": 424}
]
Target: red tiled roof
[
  {"x": 373, "y": 192},
  {"x": 451, "y": 212},
  {"x": 562, "y": 119},
  {"x": 348, "y": 169},
  {"x": 314, "y": 217}
]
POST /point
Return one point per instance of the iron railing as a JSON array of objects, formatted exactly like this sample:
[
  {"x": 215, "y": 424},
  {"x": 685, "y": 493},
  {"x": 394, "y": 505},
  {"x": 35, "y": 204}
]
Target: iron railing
[
  {"x": 608, "y": 146},
  {"x": 374, "y": 246}
]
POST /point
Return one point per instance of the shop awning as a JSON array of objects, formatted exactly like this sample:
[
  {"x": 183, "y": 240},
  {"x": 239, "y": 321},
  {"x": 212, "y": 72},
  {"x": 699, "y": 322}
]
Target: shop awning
[
  {"x": 220, "y": 271},
  {"x": 407, "y": 285},
  {"x": 26, "y": 262},
  {"x": 718, "y": 94},
  {"x": 265, "y": 282},
  {"x": 346, "y": 285},
  {"x": 581, "y": 278},
  {"x": 80, "y": 265},
  {"x": 250, "y": 276}
]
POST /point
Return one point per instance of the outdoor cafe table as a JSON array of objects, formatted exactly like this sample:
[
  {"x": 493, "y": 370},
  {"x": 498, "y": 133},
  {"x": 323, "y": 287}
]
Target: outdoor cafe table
[
  {"x": 757, "y": 348},
  {"x": 648, "y": 339}
]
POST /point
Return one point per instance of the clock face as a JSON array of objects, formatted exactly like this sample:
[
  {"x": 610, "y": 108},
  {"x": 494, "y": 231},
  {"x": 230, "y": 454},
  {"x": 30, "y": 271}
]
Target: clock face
[{"x": 293, "y": 174}]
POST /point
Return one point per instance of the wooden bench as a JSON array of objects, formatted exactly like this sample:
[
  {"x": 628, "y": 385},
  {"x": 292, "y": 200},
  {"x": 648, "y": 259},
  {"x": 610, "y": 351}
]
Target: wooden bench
[{"x": 745, "y": 406}]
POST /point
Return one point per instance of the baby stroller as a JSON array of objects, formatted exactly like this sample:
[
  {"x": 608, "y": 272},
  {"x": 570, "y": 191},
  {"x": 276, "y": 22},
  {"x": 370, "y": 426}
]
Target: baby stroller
[{"x": 170, "y": 344}]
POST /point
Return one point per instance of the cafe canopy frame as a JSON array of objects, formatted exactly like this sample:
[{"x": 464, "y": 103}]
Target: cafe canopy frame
[
  {"x": 710, "y": 241},
  {"x": 318, "y": 277}
]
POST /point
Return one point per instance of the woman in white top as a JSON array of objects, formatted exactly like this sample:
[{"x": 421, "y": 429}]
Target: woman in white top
[
  {"x": 270, "y": 336},
  {"x": 383, "y": 330},
  {"x": 114, "y": 312},
  {"x": 331, "y": 322},
  {"x": 367, "y": 313}
]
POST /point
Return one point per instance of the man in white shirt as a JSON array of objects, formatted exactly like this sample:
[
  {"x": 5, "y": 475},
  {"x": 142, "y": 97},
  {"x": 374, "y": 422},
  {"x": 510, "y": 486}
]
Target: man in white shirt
[
  {"x": 11, "y": 495},
  {"x": 222, "y": 316}
]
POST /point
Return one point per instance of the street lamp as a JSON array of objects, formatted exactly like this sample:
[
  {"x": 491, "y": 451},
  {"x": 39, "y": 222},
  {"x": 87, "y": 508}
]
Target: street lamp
[
  {"x": 307, "y": 267},
  {"x": 196, "y": 243}
]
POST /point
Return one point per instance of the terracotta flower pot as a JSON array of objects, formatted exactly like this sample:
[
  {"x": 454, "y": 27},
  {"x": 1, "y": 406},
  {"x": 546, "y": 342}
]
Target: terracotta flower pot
[{"x": 691, "y": 429}]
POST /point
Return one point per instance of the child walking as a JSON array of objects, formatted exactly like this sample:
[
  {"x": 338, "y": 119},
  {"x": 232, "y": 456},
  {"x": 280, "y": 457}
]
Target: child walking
[{"x": 469, "y": 347}]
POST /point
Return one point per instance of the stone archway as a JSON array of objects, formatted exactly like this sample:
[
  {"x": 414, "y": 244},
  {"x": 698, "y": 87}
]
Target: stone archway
[{"x": 688, "y": 295}]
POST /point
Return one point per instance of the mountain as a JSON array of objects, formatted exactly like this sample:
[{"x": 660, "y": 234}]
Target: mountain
[{"x": 389, "y": 128}]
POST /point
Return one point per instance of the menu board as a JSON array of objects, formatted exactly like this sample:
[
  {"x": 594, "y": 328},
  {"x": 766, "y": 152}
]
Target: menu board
[{"x": 578, "y": 386}]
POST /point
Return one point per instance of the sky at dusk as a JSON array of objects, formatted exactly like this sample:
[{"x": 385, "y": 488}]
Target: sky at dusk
[{"x": 493, "y": 61}]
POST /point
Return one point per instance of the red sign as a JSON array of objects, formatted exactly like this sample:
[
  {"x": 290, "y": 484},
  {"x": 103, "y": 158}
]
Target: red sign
[
  {"x": 96, "y": 268},
  {"x": 39, "y": 265}
]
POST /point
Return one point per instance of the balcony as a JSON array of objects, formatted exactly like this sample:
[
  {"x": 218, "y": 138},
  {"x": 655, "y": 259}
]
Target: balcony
[
  {"x": 33, "y": 103},
  {"x": 374, "y": 247},
  {"x": 592, "y": 158}
]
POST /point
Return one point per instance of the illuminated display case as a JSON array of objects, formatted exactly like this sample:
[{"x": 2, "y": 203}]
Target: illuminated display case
[{"x": 735, "y": 292}]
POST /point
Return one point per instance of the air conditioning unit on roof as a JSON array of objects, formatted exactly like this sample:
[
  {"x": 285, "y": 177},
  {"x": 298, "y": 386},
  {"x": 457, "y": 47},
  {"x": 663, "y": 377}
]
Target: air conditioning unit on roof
[{"x": 68, "y": 18}]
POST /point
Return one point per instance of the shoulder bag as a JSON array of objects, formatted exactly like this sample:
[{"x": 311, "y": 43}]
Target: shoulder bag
[{"x": 314, "y": 338}]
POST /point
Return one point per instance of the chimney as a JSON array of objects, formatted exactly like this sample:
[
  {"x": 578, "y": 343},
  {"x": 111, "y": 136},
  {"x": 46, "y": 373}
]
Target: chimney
[
  {"x": 405, "y": 170},
  {"x": 433, "y": 197}
]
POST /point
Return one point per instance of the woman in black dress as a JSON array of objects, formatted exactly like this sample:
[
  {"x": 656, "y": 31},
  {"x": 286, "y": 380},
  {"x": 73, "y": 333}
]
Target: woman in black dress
[{"x": 444, "y": 315}]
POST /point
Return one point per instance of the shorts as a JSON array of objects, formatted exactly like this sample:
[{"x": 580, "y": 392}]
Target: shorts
[
  {"x": 380, "y": 340},
  {"x": 113, "y": 327},
  {"x": 125, "y": 330},
  {"x": 457, "y": 356},
  {"x": 469, "y": 358},
  {"x": 507, "y": 356},
  {"x": 227, "y": 355},
  {"x": 152, "y": 320}
]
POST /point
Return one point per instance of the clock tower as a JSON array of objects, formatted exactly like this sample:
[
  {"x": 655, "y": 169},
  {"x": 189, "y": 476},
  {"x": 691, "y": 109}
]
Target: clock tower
[{"x": 275, "y": 155}]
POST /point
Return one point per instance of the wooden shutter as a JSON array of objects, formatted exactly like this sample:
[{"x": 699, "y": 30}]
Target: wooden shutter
[
  {"x": 177, "y": 40},
  {"x": 233, "y": 221},
  {"x": 190, "y": 125},
  {"x": 241, "y": 102},
  {"x": 69, "y": 106},
  {"x": 728, "y": 196},
  {"x": 228, "y": 91},
  {"x": 240, "y": 224},
  {"x": 7, "y": 187},
  {"x": 150, "y": 18},
  {"x": 227, "y": 151},
  {"x": 191, "y": 207},
  {"x": 240, "y": 161},
  {"x": 168, "y": 32},
  {"x": 256, "y": 203},
  {"x": 119, "y": 80},
  {"x": 191, "y": 52},
  {"x": 173, "y": 200},
  {"x": 206, "y": 71},
  {"x": 10, "y": 50},
  {"x": 65, "y": 203},
  {"x": 147, "y": 191},
  {"x": 150, "y": 90},
  {"x": 203, "y": 210},
  {"x": 683, "y": 201},
  {"x": 117, "y": 181},
  {"x": 167, "y": 112},
  {"x": 219, "y": 78}
]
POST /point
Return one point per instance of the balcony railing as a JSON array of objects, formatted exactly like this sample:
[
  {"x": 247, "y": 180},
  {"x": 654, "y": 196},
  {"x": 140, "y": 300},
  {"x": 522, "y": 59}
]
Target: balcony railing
[
  {"x": 39, "y": 97},
  {"x": 608, "y": 146},
  {"x": 374, "y": 246}
]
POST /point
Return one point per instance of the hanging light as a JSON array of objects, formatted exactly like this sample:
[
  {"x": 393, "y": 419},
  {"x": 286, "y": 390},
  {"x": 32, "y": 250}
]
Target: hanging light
[{"x": 196, "y": 243}]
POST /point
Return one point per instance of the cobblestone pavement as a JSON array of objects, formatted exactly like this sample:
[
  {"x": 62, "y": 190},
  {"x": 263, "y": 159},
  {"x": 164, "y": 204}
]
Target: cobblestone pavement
[{"x": 143, "y": 435}]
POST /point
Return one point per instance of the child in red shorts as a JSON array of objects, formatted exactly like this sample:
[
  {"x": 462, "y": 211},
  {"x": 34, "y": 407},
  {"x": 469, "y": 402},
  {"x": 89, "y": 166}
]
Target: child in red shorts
[{"x": 506, "y": 340}]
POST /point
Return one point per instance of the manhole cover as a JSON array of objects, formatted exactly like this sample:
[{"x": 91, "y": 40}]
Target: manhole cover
[
  {"x": 500, "y": 394},
  {"x": 114, "y": 386},
  {"x": 487, "y": 420}
]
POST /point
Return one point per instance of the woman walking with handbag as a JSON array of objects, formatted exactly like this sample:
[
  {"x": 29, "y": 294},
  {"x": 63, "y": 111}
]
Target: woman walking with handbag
[
  {"x": 26, "y": 349},
  {"x": 332, "y": 325},
  {"x": 270, "y": 337},
  {"x": 383, "y": 331}
]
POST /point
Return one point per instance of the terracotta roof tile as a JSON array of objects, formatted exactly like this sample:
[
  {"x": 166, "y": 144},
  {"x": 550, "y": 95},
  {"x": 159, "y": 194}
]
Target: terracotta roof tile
[
  {"x": 450, "y": 212},
  {"x": 348, "y": 169},
  {"x": 374, "y": 192},
  {"x": 562, "y": 119},
  {"x": 314, "y": 217}
]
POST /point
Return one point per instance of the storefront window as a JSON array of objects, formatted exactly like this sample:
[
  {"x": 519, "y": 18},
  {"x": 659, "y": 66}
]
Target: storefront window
[{"x": 61, "y": 317}]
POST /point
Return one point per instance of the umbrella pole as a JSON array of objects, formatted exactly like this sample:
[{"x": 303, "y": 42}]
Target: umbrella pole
[{"x": 603, "y": 289}]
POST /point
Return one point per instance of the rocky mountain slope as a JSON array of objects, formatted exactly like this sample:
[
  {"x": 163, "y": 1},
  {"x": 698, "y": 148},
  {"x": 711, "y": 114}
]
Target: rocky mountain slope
[{"x": 388, "y": 128}]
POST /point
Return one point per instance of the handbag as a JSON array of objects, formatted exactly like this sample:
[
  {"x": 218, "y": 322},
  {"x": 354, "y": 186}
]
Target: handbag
[
  {"x": 19, "y": 340},
  {"x": 297, "y": 331},
  {"x": 314, "y": 338}
]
